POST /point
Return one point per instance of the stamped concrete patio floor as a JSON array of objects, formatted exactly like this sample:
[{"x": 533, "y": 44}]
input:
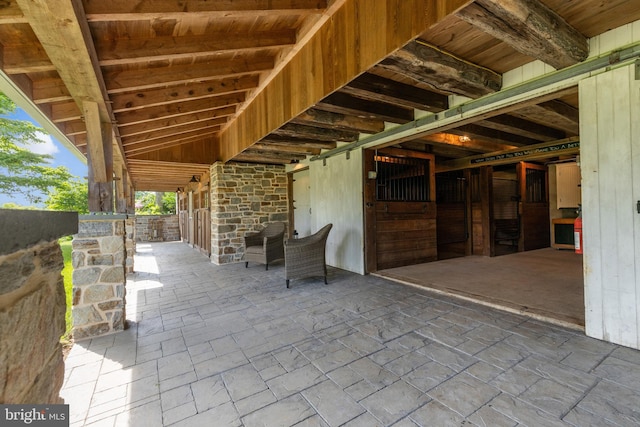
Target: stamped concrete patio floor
[{"x": 232, "y": 346}]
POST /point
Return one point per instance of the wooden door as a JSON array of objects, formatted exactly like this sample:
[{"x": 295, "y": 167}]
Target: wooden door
[
  {"x": 400, "y": 210},
  {"x": 534, "y": 206},
  {"x": 452, "y": 223}
]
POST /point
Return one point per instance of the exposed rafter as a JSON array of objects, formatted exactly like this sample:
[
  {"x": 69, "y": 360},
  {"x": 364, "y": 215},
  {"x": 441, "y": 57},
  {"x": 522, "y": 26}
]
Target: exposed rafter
[
  {"x": 531, "y": 28},
  {"x": 442, "y": 71}
]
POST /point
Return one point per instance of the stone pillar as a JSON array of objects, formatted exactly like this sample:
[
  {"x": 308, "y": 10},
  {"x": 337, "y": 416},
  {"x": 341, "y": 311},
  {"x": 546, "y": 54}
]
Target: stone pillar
[
  {"x": 99, "y": 276},
  {"x": 32, "y": 305},
  {"x": 244, "y": 197},
  {"x": 130, "y": 230}
]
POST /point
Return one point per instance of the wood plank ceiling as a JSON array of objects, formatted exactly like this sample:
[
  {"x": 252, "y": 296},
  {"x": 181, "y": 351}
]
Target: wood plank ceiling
[{"x": 174, "y": 74}]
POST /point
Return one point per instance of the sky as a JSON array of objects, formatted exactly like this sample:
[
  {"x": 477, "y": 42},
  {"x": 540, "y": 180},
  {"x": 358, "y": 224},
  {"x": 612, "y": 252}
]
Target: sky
[{"x": 61, "y": 157}]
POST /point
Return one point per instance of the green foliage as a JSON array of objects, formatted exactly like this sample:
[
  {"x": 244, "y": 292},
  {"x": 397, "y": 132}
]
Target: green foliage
[
  {"x": 11, "y": 205},
  {"x": 147, "y": 203},
  {"x": 67, "y": 273},
  {"x": 169, "y": 203},
  {"x": 22, "y": 171},
  {"x": 72, "y": 195}
]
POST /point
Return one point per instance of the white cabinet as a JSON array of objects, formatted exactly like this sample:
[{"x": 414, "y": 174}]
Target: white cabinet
[{"x": 568, "y": 185}]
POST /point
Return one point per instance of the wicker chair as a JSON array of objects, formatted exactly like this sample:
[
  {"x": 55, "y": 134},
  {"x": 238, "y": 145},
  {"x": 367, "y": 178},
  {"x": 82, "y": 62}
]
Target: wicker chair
[
  {"x": 265, "y": 246},
  {"x": 305, "y": 257}
]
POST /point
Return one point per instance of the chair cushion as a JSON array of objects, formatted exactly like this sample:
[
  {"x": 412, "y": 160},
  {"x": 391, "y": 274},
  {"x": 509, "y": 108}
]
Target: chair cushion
[{"x": 254, "y": 250}]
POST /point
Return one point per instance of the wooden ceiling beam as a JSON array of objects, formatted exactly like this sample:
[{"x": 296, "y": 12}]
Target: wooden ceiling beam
[
  {"x": 351, "y": 37},
  {"x": 253, "y": 151},
  {"x": 131, "y": 80},
  {"x": 519, "y": 126},
  {"x": 284, "y": 148},
  {"x": 123, "y": 10},
  {"x": 11, "y": 13},
  {"x": 299, "y": 142},
  {"x": 171, "y": 142},
  {"x": 531, "y": 28},
  {"x": 49, "y": 90},
  {"x": 476, "y": 131},
  {"x": 153, "y": 114},
  {"x": 132, "y": 51},
  {"x": 294, "y": 130},
  {"x": 442, "y": 71},
  {"x": 21, "y": 59},
  {"x": 188, "y": 105},
  {"x": 329, "y": 120},
  {"x": 61, "y": 27},
  {"x": 176, "y": 122},
  {"x": 554, "y": 113},
  {"x": 261, "y": 158},
  {"x": 343, "y": 103},
  {"x": 375, "y": 88},
  {"x": 202, "y": 127},
  {"x": 179, "y": 93}
]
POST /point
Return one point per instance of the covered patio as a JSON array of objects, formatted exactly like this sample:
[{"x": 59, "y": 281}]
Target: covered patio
[{"x": 229, "y": 345}]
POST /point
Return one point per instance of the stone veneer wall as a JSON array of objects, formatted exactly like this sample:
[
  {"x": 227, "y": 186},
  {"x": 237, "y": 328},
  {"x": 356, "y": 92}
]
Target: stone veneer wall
[
  {"x": 157, "y": 228},
  {"x": 32, "y": 305},
  {"x": 244, "y": 197},
  {"x": 130, "y": 243},
  {"x": 99, "y": 278}
]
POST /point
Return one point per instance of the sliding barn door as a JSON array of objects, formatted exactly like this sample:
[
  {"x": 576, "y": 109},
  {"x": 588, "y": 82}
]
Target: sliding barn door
[{"x": 400, "y": 211}]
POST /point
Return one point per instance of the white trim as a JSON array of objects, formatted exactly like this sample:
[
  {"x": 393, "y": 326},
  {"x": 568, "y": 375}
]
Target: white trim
[{"x": 9, "y": 88}]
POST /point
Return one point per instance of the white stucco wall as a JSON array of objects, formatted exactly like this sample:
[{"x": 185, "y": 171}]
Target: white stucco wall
[{"x": 336, "y": 197}]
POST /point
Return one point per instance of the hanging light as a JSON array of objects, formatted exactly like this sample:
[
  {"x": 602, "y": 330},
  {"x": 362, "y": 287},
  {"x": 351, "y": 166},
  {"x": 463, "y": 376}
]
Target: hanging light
[{"x": 194, "y": 179}]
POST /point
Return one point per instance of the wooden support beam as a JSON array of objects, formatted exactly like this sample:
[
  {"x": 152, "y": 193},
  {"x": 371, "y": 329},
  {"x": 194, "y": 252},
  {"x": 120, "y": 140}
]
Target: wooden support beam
[
  {"x": 294, "y": 130},
  {"x": 131, "y": 51},
  {"x": 329, "y": 120},
  {"x": 95, "y": 143},
  {"x": 101, "y": 192},
  {"x": 442, "y": 71},
  {"x": 182, "y": 92},
  {"x": 475, "y": 131},
  {"x": 531, "y": 28},
  {"x": 343, "y": 103},
  {"x": 562, "y": 147},
  {"x": 61, "y": 27},
  {"x": 375, "y": 88},
  {"x": 124, "y": 10},
  {"x": 286, "y": 148},
  {"x": 213, "y": 69},
  {"x": 351, "y": 37},
  {"x": 139, "y": 117},
  {"x": 515, "y": 125},
  {"x": 299, "y": 142}
]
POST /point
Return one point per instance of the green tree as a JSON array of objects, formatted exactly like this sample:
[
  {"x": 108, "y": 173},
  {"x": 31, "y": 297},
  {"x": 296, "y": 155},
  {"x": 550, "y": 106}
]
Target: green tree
[
  {"x": 11, "y": 205},
  {"x": 72, "y": 195},
  {"x": 22, "y": 171},
  {"x": 147, "y": 203}
]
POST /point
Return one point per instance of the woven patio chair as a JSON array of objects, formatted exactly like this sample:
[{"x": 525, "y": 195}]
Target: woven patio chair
[
  {"x": 265, "y": 246},
  {"x": 305, "y": 257}
]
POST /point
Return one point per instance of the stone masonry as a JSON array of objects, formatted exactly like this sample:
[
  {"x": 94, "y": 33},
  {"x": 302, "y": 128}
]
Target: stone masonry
[
  {"x": 130, "y": 230},
  {"x": 99, "y": 262},
  {"x": 157, "y": 228},
  {"x": 32, "y": 305},
  {"x": 244, "y": 197}
]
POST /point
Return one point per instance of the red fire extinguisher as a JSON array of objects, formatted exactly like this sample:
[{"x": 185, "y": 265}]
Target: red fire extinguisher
[{"x": 577, "y": 232}]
